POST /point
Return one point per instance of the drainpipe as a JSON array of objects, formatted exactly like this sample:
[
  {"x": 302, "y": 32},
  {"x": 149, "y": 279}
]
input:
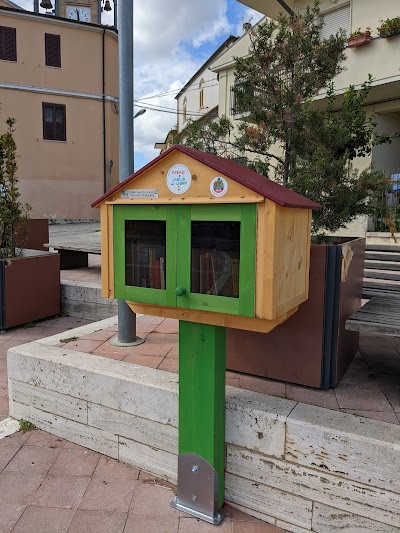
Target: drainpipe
[
  {"x": 104, "y": 113},
  {"x": 36, "y": 6}
]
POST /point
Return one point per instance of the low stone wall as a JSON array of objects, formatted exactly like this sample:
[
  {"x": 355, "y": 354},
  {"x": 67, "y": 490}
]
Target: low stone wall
[
  {"x": 300, "y": 467},
  {"x": 84, "y": 300}
]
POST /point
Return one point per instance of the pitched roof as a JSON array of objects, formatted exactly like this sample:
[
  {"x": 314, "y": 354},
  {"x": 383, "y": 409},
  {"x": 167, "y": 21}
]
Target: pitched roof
[{"x": 260, "y": 184}]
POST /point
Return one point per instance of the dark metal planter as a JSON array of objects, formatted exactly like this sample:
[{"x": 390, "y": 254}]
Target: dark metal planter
[
  {"x": 312, "y": 347},
  {"x": 29, "y": 288}
]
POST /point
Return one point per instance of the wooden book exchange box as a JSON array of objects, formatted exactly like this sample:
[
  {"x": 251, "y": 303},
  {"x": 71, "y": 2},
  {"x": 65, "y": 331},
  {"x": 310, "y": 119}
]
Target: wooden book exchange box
[{"x": 204, "y": 239}]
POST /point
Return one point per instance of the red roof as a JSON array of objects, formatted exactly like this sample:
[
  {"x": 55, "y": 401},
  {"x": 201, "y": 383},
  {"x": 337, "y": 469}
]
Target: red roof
[{"x": 228, "y": 167}]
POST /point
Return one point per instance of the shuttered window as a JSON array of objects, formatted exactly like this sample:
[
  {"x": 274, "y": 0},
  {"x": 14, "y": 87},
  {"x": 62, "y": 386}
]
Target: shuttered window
[
  {"x": 52, "y": 49},
  {"x": 8, "y": 43},
  {"x": 54, "y": 122},
  {"x": 336, "y": 20}
]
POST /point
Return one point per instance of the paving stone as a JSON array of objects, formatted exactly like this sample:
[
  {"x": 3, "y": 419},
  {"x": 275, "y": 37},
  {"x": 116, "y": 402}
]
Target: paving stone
[
  {"x": 108, "y": 468},
  {"x": 74, "y": 462},
  {"x": 106, "y": 350},
  {"x": 150, "y": 319},
  {"x": 151, "y": 348},
  {"x": 101, "y": 335},
  {"x": 17, "y": 488},
  {"x": 152, "y": 492},
  {"x": 150, "y": 524},
  {"x": 262, "y": 385},
  {"x": 169, "y": 364},
  {"x": 33, "y": 460},
  {"x": 252, "y": 527},
  {"x": 385, "y": 416},
  {"x": 321, "y": 398},
  {"x": 61, "y": 491},
  {"x": 143, "y": 360},
  {"x": 174, "y": 351},
  {"x": 390, "y": 386},
  {"x": 370, "y": 399},
  {"x": 161, "y": 338},
  {"x": 7, "y": 452},
  {"x": 192, "y": 525},
  {"x": 17, "y": 438},
  {"x": 84, "y": 345},
  {"x": 42, "y": 438},
  {"x": 86, "y": 521},
  {"x": 169, "y": 325},
  {"x": 109, "y": 495},
  {"x": 44, "y": 520},
  {"x": 9, "y": 515}
]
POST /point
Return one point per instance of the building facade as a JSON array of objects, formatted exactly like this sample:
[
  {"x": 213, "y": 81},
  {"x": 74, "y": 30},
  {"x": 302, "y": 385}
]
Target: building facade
[
  {"x": 200, "y": 96},
  {"x": 59, "y": 80},
  {"x": 379, "y": 58}
]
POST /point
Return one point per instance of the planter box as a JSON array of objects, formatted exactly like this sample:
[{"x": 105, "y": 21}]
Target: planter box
[
  {"x": 386, "y": 35},
  {"x": 29, "y": 288},
  {"x": 359, "y": 40},
  {"x": 312, "y": 347},
  {"x": 37, "y": 234}
]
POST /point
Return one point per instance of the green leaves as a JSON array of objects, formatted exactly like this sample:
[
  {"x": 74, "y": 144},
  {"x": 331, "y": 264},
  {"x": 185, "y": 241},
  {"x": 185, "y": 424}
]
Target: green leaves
[{"x": 12, "y": 211}]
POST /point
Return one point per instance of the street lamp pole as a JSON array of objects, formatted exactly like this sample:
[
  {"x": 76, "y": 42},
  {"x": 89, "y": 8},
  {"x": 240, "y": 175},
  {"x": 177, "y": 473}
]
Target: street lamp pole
[{"x": 126, "y": 317}]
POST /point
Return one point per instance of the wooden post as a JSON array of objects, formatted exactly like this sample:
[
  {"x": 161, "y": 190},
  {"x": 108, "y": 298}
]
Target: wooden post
[{"x": 202, "y": 365}]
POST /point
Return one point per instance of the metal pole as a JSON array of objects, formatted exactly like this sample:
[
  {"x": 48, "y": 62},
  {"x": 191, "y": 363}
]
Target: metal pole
[
  {"x": 115, "y": 14},
  {"x": 36, "y": 6},
  {"x": 126, "y": 318}
]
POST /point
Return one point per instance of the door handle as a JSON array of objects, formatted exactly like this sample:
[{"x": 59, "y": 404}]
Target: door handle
[{"x": 180, "y": 291}]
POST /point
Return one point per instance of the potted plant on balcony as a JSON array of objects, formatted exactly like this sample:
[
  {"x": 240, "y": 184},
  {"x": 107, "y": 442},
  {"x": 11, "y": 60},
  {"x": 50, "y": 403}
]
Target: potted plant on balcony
[
  {"x": 29, "y": 279},
  {"x": 389, "y": 27},
  {"x": 359, "y": 38}
]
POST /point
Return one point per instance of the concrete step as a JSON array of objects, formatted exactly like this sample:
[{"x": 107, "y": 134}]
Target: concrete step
[
  {"x": 382, "y": 274},
  {"x": 382, "y": 248},
  {"x": 84, "y": 300},
  {"x": 382, "y": 256},
  {"x": 381, "y": 265}
]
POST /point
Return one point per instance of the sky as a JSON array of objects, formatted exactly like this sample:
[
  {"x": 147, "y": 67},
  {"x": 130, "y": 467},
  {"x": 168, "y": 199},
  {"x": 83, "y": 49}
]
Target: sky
[
  {"x": 172, "y": 39},
  {"x": 169, "y": 47}
]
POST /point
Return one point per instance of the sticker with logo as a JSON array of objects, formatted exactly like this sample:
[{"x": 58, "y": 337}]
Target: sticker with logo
[
  {"x": 218, "y": 186},
  {"x": 179, "y": 179}
]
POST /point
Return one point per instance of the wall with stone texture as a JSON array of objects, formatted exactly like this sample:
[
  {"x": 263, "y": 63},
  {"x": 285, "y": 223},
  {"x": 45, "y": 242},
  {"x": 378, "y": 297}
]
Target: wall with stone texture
[{"x": 300, "y": 467}]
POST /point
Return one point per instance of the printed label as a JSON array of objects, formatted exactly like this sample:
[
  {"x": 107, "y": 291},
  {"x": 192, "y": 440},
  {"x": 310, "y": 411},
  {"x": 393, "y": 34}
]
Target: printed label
[
  {"x": 140, "y": 193},
  {"x": 218, "y": 186},
  {"x": 179, "y": 179}
]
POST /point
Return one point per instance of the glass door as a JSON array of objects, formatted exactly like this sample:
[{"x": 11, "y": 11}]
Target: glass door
[
  {"x": 216, "y": 258},
  {"x": 145, "y": 254}
]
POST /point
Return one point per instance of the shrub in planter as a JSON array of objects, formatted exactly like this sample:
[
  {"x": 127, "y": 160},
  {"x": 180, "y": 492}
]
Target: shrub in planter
[
  {"x": 389, "y": 27},
  {"x": 359, "y": 38},
  {"x": 29, "y": 279}
]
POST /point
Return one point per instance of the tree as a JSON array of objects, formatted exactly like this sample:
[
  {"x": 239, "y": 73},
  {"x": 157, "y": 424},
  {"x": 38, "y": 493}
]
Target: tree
[
  {"x": 13, "y": 213},
  {"x": 307, "y": 147},
  {"x": 288, "y": 64}
]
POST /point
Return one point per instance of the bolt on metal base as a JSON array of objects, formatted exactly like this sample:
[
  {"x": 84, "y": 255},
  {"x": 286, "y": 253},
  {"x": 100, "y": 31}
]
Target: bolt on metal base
[{"x": 197, "y": 489}]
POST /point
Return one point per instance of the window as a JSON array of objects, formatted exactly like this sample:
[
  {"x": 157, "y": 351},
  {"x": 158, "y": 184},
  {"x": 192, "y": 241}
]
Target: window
[
  {"x": 201, "y": 87},
  {"x": 336, "y": 20},
  {"x": 52, "y": 50},
  {"x": 184, "y": 109},
  {"x": 54, "y": 122},
  {"x": 8, "y": 43}
]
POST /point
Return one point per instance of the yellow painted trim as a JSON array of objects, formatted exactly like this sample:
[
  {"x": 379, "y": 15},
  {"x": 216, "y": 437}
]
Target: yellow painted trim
[
  {"x": 216, "y": 319},
  {"x": 105, "y": 254},
  {"x": 110, "y": 258}
]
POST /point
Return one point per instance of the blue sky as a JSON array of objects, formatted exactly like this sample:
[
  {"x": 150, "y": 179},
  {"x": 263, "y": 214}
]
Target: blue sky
[{"x": 169, "y": 46}]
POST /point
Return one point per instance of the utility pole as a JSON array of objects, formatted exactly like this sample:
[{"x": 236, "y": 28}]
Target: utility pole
[{"x": 126, "y": 317}]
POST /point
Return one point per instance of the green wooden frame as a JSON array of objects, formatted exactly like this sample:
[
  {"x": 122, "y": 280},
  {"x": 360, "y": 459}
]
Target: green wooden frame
[
  {"x": 246, "y": 214},
  {"x": 178, "y": 220},
  {"x": 122, "y": 213}
]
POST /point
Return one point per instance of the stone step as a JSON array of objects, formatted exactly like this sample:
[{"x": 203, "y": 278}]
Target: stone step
[
  {"x": 84, "y": 300},
  {"x": 382, "y": 248},
  {"x": 381, "y": 265},
  {"x": 382, "y": 274},
  {"x": 382, "y": 256}
]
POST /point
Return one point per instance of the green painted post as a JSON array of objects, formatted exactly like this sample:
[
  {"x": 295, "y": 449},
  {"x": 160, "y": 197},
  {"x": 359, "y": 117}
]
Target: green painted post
[{"x": 202, "y": 366}]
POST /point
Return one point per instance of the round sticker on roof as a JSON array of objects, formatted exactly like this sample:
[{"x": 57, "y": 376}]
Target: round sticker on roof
[
  {"x": 179, "y": 179},
  {"x": 218, "y": 186}
]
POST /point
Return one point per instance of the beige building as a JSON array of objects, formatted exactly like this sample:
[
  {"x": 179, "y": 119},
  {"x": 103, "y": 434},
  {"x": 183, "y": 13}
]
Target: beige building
[
  {"x": 59, "y": 80},
  {"x": 380, "y": 58}
]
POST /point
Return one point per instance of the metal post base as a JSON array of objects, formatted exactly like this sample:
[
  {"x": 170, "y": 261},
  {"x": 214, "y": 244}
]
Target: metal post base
[{"x": 197, "y": 489}]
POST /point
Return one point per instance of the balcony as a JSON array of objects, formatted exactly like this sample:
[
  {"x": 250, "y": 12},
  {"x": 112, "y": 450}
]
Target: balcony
[{"x": 270, "y": 8}]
